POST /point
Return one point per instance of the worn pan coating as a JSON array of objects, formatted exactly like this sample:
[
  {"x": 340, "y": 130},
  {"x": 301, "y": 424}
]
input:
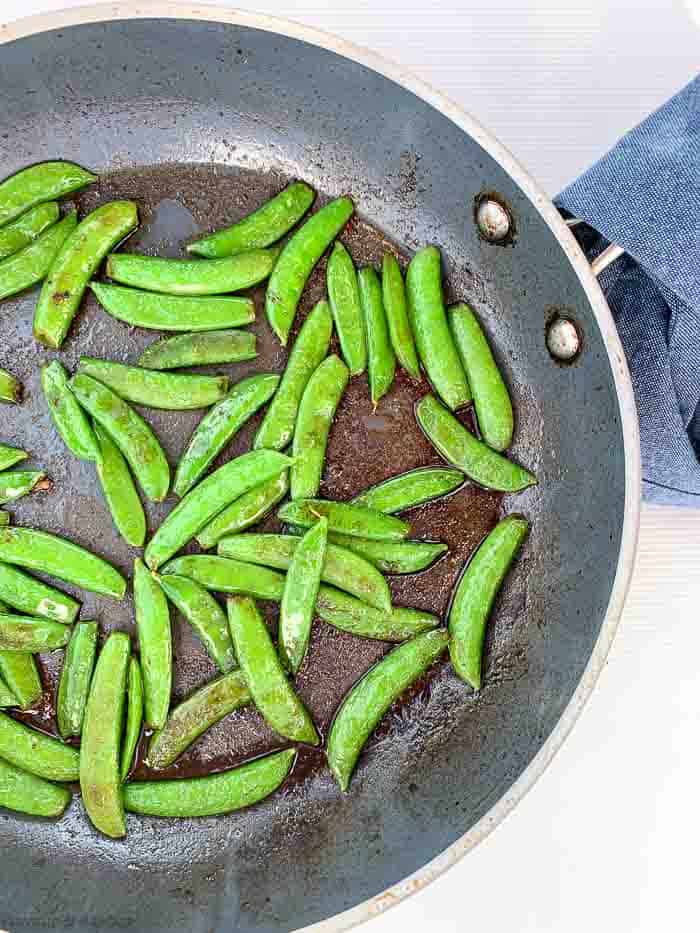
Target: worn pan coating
[{"x": 262, "y": 101}]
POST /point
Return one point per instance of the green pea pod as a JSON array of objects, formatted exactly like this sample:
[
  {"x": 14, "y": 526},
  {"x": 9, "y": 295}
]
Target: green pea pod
[
  {"x": 68, "y": 417},
  {"x": 195, "y": 715},
  {"x": 309, "y": 350},
  {"x": 7, "y": 697},
  {"x": 393, "y": 556},
  {"x": 21, "y": 232},
  {"x": 408, "y": 490},
  {"x": 11, "y": 456},
  {"x": 220, "y": 425},
  {"x": 45, "y": 181},
  {"x": 20, "y": 673},
  {"x": 10, "y": 388},
  {"x": 317, "y": 409},
  {"x": 299, "y": 598},
  {"x": 172, "y": 391},
  {"x": 494, "y": 410},
  {"x": 192, "y": 276},
  {"x": 119, "y": 490},
  {"x": 372, "y": 697},
  {"x": 247, "y": 510},
  {"x": 37, "y": 753},
  {"x": 17, "y": 483},
  {"x": 297, "y": 260},
  {"x": 345, "y": 518},
  {"x": 100, "y": 782},
  {"x": 132, "y": 435},
  {"x": 27, "y": 793},
  {"x": 428, "y": 318},
  {"x": 342, "y": 568},
  {"x": 31, "y": 264},
  {"x": 200, "y": 349},
  {"x": 344, "y": 298},
  {"x": 173, "y": 312},
  {"x": 134, "y": 717},
  {"x": 212, "y": 795},
  {"x": 155, "y": 644},
  {"x": 223, "y": 575},
  {"x": 272, "y": 693},
  {"x": 209, "y": 498},
  {"x": 396, "y": 309},
  {"x": 30, "y": 635},
  {"x": 263, "y": 227},
  {"x": 4, "y": 517},
  {"x": 381, "y": 360},
  {"x": 460, "y": 448},
  {"x": 36, "y": 598},
  {"x": 75, "y": 264},
  {"x": 475, "y": 593},
  {"x": 205, "y": 616},
  {"x": 74, "y": 685},
  {"x": 56, "y": 557}
]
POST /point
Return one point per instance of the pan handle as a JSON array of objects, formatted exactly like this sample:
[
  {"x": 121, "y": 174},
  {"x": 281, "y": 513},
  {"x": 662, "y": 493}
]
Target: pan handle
[{"x": 608, "y": 256}]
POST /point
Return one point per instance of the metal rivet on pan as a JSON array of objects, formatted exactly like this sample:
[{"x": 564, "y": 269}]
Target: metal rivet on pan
[
  {"x": 563, "y": 339},
  {"x": 493, "y": 220}
]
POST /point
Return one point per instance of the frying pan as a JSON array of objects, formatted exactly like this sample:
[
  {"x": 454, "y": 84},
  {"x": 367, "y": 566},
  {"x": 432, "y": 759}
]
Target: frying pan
[{"x": 233, "y": 104}]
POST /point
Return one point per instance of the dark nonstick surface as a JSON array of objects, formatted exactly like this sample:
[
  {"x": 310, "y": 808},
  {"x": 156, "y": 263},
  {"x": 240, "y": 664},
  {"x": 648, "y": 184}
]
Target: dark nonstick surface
[{"x": 233, "y": 113}]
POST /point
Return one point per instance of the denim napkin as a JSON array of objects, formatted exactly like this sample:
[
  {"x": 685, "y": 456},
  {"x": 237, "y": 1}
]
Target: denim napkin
[{"x": 645, "y": 196}]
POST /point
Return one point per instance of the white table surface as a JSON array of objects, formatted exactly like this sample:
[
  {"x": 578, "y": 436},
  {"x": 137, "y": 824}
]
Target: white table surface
[{"x": 606, "y": 839}]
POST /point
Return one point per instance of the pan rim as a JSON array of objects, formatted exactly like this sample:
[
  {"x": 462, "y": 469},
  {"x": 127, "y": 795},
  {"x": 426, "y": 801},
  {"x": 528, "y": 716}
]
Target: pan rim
[{"x": 173, "y": 9}]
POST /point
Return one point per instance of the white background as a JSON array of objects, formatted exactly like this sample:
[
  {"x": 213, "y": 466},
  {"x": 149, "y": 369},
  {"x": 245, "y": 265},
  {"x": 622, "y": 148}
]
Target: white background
[{"x": 607, "y": 838}]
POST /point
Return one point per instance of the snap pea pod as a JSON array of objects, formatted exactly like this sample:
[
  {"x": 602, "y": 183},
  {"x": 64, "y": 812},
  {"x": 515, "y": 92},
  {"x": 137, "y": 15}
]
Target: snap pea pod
[
  {"x": 11, "y": 456},
  {"x": 309, "y": 350},
  {"x": 75, "y": 264},
  {"x": 173, "y": 312},
  {"x": 21, "y": 232},
  {"x": 172, "y": 391},
  {"x": 381, "y": 359},
  {"x": 27, "y": 793},
  {"x": 475, "y": 593},
  {"x": 317, "y": 409},
  {"x": 10, "y": 388},
  {"x": 223, "y": 575},
  {"x": 155, "y": 644},
  {"x": 460, "y": 448},
  {"x": 200, "y": 349},
  {"x": 31, "y": 264},
  {"x": 49, "y": 554},
  {"x": 265, "y": 226},
  {"x": 205, "y": 616},
  {"x": 297, "y": 260},
  {"x": 119, "y": 490},
  {"x": 17, "y": 483},
  {"x": 195, "y": 715},
  {"x": 212, "y": 795},
  {"x": 7, "y": 697},
  {"x": 345, "y": 518},
  {"x": 68, "y": 417},
  {"x": 74, "y": 685},
  {"x": 192, "y": 276},
  {"x": 22, "y": 677},
  {"x": 436, "y": 347},
  {"x": 408, "y": 490},
  {"x": 393, "y": 556},
  {"x": 132, "y": 435},
  {"x": 34, "y": 597},
  {"x": 299, "y": 598},
  {"x": 396, "y": 309},
  {"x": 134, "y": 717},
  {"x": 373, "y": 695},
  {"x": 344, "y": 298},
  {"x": 209, "y": 498},
  {"x": 100, "y": 782},
  {"x": 245, "y": 511},
  {"x": 30, "y": 635},
  {"x": 341, "y": 568},
  {"x": 37, "y": 753},
  {"x": 494, "y": 410},
  {"x": 272, "y": 693},
  {"x": 44, "y": 181},
  {"x": 4, "y": 517},
  {"x": 220, "y": 425}
]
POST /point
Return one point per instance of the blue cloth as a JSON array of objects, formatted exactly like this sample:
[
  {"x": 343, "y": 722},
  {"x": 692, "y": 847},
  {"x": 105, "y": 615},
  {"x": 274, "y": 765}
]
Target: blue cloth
[{"x": 645, "y": 196}]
